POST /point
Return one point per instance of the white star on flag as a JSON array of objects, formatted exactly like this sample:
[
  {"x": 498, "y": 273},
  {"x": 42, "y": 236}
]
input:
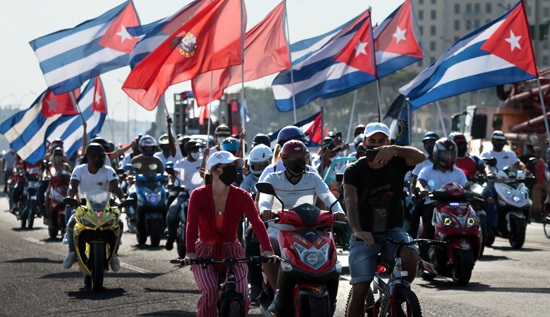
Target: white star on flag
[
  {"x": 124, "y": 35},
  {"x": 97, "y": 97},
  {"x": 399, "y": 35},
  {"x": 360, "y": 48},
  {"x": 53, "y": 105},
  {"x": 514, "y": 41}
]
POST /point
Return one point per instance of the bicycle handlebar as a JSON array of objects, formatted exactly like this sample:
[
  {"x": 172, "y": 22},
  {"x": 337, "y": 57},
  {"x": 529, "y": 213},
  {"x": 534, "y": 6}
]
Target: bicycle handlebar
[{"x": 227, "y": 261}]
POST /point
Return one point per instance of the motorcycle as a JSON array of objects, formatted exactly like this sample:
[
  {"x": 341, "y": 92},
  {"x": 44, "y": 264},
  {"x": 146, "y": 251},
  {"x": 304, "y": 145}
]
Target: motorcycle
[
  {"x": 29, "y": 205},
  {"x": 55, "y": 217},
  {"x": 151, "y": 208},
  {"x": 458, "y": 236},
  {"x": 512, "y": 206},
  {"x": 96, "y": 234},
  {"x": 311, "y": 271},
  {"x": 175, "y": 194}
]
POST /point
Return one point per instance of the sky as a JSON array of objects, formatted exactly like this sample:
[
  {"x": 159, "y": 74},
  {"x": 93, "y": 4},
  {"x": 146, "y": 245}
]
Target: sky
[{"x": 21, "y": 80}]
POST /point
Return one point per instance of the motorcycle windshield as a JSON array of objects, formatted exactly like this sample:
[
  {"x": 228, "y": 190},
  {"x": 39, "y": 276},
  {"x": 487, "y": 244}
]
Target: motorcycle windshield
[
  {"x": 293, "y": 199},
  {"x": 98, "y": 199}
]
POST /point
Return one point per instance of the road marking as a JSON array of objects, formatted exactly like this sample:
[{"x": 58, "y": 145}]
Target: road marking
[
  {"x": 33, "y": 240},
  {"x": 135, "y": 268}
]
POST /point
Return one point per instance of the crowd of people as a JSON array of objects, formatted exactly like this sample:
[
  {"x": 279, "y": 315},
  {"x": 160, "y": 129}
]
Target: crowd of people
[{"x": 220, "y": 189}]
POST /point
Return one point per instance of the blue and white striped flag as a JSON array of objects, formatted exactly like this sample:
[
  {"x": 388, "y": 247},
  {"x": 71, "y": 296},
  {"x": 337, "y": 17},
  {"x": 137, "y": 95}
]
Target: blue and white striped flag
[{"x": 70, "y": 57}]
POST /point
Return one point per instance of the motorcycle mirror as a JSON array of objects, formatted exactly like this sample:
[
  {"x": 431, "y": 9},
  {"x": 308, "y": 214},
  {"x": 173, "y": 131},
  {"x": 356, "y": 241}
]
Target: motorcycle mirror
[
  {"x": 267, "y": 188},
  {"x": 71, "y": 202},
  {"x": 170, "y": 170},
  {"x": 126, "y": 203}
]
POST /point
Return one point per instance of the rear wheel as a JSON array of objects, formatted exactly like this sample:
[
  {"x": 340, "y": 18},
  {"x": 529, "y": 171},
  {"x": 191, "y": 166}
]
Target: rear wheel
[
  {"x": 31, "y": 213},
  {"x": 156, "y": 232},
  {"x": 98, "y": 270},
  {"x": 234, "y": 310},
  {"x": 369, "y": 303},
  {"x": 517, "y": 233},
  {"x": 23, "y": 218},
  {"x": 483, "y": 226},
  {"x": 546, "y": 222},
  {"x": 462, "y": 269},
  {"x": 180, "y": 241},
  {"x": 406, "y": 303}
]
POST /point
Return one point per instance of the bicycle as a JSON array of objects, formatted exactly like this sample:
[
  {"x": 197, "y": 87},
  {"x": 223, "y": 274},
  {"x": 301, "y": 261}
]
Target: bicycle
[
  {"x": 396, "y": 297},
  {"x": 230, "y": 302},
  {"x": 545, "y": 222}
]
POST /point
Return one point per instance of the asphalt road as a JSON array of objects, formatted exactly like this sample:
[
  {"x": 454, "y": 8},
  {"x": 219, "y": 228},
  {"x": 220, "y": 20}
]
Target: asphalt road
[{"x": 505, "y": 282}]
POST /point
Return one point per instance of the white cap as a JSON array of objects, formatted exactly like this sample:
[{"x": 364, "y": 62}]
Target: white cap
[
  {"x": 376, "y": 127},
  {"x": 223, "y": 157}
]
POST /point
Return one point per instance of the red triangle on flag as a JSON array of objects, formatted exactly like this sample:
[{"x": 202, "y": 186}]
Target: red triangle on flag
[
  {"x": 53, "y": 104},
  {"x": 512, "y": 42},
  {"x": 398, "y": 35},
  {"x": 99, "y": 102},
  {"x": 117, "y": 37},
  {"x": 359, "y": 52}
]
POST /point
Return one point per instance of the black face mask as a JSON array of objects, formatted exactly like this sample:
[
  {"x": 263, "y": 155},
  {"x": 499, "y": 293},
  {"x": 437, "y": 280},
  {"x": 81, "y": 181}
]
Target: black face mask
[
  {"x": 229, "y": 174},
  {"x": 99, "y": 163},
  {"x": 461, "y": 151},
  {"x": 296, "y": 166},
  {"x": 371, "y": 147}
]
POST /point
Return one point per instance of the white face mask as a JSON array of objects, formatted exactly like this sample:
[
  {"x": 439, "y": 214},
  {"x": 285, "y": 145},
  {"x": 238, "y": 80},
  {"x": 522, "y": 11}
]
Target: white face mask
[{"x": 195, "y": 155}]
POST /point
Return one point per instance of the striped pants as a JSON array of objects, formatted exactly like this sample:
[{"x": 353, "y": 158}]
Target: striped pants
[{"x": 207, "y": 278}]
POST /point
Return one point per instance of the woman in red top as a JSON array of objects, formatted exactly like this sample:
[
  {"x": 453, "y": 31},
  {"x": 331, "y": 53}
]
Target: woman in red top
[{"x": 213, "y": 217}]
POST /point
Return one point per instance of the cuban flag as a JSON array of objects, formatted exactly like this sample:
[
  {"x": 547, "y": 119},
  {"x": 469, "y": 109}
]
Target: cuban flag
[
  {"x": 315, "y": 71},
  {"x": 69, "y": 128},
  {"x": 499, "y": 52},
  {"x": 157, "y": 32},
  {"x": 312, "y": 127},
  {"x": 26, "y": 131},
  {"x": 70, "y": 57},
  {"x": 395, "y": 42}
]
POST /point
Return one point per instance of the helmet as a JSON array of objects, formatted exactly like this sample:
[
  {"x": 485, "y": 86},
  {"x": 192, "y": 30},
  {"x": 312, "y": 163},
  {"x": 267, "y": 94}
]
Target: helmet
[
  {"x": 359, "y": 129},
  {"x": 181, "y": 142},
  {"x": 163, "y": 139},
  {"x": 147, "y": 145},
  {"x": 57, "y": 151},
  {"x": 327, "y": 140},
  {"x": 445, "y": 152},
  {"x": 192, "y": 144},
  {"x": 95, "y": 149},
  {"x": 230, "y": 144},
  {"x": 101, "y": 141},
  {"x": 454, "y": 189},
  {"x": 291, "y": 133},
  {"x": 259, "y": 158},
  {"x": 261, "y": 138},
  {"x": 430, "y": 135},
  {"x": 358, "y": 139},
  {"x": 498, "y": 135},
  {"x": 294, "y": 148},
  {"x": 222, "y": 129},
  {"x": 57, "y": 143},
  {"x": 458, "y": 137}
]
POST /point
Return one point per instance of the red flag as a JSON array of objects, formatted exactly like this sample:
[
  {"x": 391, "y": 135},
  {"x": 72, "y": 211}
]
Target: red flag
[
  {"x": 99, "y": 102},
  {"x": 53, "y": 104},
  {"x": 117, "y": 37},
  {"x": 265, "y": 53},
  {"x": 359, "y": 52},
  {"x": 210, "y": 40},
  {"x": 314, "y": 130},
  {"x": 203, "y": 115}
]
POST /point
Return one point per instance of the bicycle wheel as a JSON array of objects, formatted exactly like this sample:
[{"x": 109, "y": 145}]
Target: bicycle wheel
[
  {"x": 545, "y": 222},
  {"x": 406, "y": 303},
  {"x": 234, "y": 310},
  {"x": 369, "y": 303}
]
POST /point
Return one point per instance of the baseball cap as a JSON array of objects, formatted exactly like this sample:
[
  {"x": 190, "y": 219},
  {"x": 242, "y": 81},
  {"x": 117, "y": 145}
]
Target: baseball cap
[
  {"x": 498, "y": 135},
  {"x": 223, "y": 157},
  {"x": 376, "y": 127}
]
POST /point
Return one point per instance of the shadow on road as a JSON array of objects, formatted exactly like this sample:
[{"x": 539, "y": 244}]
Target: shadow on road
[
  {"x": 169, "y": 313},
  {"x": 491, "y": 258},
  {"x": 147, "y": 247},
  {"x": 508, "y": 248},
  {"x": 442, "y": 285},
  {"x": 175, "y": 291},
  {"x": 18, "y": 229},
  {"x": 105, "y": 294},
  {"x": 34, "y": 260}
]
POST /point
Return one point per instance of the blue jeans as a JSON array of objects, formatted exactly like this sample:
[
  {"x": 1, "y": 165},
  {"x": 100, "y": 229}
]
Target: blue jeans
[
  {"x": 172, "y": 219},
  {"x": 490, "y": 208}
]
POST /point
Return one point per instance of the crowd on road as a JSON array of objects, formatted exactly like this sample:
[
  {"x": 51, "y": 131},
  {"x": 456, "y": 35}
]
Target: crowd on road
[{"x": 205, "y": 199}]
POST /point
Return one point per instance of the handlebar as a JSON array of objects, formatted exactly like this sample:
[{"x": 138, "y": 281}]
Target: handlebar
[{"x": 227, "y": 261}]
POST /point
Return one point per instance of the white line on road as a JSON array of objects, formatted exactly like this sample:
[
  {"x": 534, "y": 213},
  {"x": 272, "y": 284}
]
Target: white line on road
[{"x": 135, "y": 268}]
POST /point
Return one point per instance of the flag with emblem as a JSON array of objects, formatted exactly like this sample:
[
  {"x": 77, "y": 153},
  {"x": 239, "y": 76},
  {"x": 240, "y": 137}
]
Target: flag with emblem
[
  {"x": 211, "y": 39},
  {"x": 395, "y": 43},
  {"x": 68, "y": 128},
  {"x": 26, "y": 131},
  {"x": 499, "y": 52},
  {"x": 70, "y": 57}
]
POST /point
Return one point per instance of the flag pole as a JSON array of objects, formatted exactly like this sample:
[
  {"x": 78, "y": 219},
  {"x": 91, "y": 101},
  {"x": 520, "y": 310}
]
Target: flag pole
[
  {"x": 379, "y": 105},
  {"x": 375, "y": 68},
  {"x": 76, "y": 106},
  {"x": 209, "y": 109},
  {"x": 287, "y": 40},
  {"x": 243, "y": 119},
  {"x": 409, "y": 126},
  {"x": 351, "y": 115},
  {"x": 541, "y": 97},
  {"x": 441, "y": 119}
]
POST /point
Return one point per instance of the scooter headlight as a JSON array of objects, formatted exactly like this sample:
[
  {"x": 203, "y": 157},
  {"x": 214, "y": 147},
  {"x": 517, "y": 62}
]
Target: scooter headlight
[
  {"x": 153, "y": 198},
  {"x": 449, "y": 221},
  {"x": 313, "y": 257},
  {"x": 472, "y": 221}
]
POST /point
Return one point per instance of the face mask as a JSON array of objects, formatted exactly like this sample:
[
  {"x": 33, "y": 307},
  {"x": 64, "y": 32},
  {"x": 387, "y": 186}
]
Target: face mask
[
  {"x": 429, "y": 150},
  {"x": 195, "y": 155},
  {"x": 297, "y": 166},
  {"x": 220, "y": 139},
  {"x": 498, "y": 147},
  {"x": 371, "y": 147},
  {"x": 57, "y": 159},
  {"x": 99, "y": 163},
  {"x": 461, "y": 151},
  {"x": 229, "y": 174},
  {"x": 166, "y": 152}
]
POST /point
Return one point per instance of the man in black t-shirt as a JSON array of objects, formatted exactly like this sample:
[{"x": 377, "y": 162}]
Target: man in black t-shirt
[{"x": 372, "y": 191}]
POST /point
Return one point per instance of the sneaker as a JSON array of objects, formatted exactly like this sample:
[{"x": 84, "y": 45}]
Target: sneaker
[
  {"x": 115, "y": 263},
  {"x": 255, "y": 292},
  {"x": 273, "y": 305},
  {"x": 66, "y": 238},
  {"x": 169, "y": 243},
  {"x": 69, "y": 260}
]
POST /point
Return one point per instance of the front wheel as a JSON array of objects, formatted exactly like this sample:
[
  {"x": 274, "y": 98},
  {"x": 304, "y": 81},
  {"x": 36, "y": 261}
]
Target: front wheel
[
  {"x": 31, "y": 213},
  {"x": 517, "y": 233},
  {"x": 98, "y": 271},
  {"x": 406, "y": 303},
  {"x": 546, "y": 222},
  {"x": 156, "y": 232},
  {"x": 462, "y": 269},
  {"x": 180, "y": 241},
  {"x": 234, "y": 310}
]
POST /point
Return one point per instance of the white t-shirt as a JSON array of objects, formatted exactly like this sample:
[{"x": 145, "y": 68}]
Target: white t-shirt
[
  {"x": 188, "y": 173},
  {"x": 280, "y": 166},
  {"x": 437, "y": 179},
  {"x": 171, "y": 158},
  {"x": 420, "y": 166},
  {"x": 504, "y": 158},
  {"x": 90, "y": 182}
]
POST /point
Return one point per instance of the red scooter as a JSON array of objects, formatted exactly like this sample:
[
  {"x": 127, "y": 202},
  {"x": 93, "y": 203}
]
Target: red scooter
[
  {"x": 458, "y": 236},
  {"x": 55, "y": 215},
  {"x": 308, "y": 277}
]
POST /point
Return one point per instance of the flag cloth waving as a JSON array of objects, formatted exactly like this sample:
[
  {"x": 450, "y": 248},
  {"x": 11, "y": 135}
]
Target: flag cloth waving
[
  {"x": 212, "y": 39},
  {"x": 311, "y": 126},
  {"x": 265, "y": 53},
  {"x": 69, "y": 128},
  {"x": 499, "y": 52},
  {"x": 26, "y": 131},
  {"x": 395, "y": 42},
  {"x": 70, "y": 57}
]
